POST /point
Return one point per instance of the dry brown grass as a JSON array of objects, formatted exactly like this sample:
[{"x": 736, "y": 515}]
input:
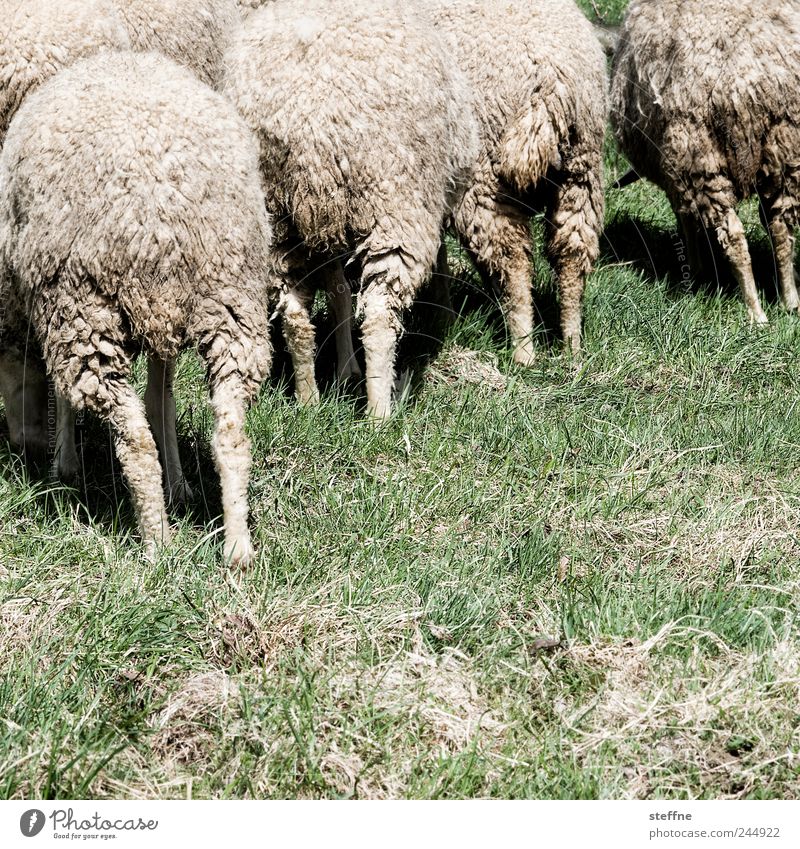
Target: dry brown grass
[
  {"x": 681, "y": 725},
  {"x": 460, "y": 365},
  {"x": 183, "y": 729}
]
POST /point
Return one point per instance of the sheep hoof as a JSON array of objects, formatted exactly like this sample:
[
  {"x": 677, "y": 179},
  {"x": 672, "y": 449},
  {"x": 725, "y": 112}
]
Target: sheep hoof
[
  {"x": 308, "y": 396},
  {"x": 239, "y": 552},
  {"x": 758, "y": 318},
  {"x": 153, "y": 546},
  {"x": 524, "y": 354},
  {"x": 379, "y": 412}
]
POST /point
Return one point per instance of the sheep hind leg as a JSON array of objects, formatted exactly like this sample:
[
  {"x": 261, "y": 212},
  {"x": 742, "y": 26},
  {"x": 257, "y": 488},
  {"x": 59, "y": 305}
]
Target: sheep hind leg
[
  {"x": 574, "y": 220},
  {"x": 499, "y": 240},
  {"x": 571, "y": 286},
  {"x": 115, "y": 401},
  {"x": 388, "y": 276},
  {"x": 515, "y": 279},
  {"x": 380, "y": 332},
  {"x": 298, "y": 329},
  {"x": 783, "y": 244},
  {"x": 340, "y": 302},
  {"x": 159, "y": 401},
  {"x": 733, "y": 241},
  {"x": 233, "y": 459}
]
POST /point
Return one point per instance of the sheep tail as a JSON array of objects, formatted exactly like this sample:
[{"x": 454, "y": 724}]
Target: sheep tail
[{"x": 529, "y": 148}]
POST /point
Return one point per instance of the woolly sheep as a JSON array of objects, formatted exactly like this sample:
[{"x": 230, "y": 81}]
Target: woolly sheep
[
  {"x": 706, "y": 103},
  {"x": 366, "y": 135},
  {"x": 194, "y": 33},
  {"x": 40, "y": 37},
  {"x": 132, "y": 218},
  {"x": 332, "y": 278},
  {"x": 538, "y": 73}
]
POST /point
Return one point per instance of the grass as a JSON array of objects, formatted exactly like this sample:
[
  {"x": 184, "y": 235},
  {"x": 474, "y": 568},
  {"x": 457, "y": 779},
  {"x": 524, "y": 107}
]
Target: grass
[
  {"x": 578, "y": 581},
  {"x": 608, "y": 12}
]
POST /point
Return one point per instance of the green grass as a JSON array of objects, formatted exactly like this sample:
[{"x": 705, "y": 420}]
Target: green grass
[
  {"x": 397, "y": 636},
  {"x": 604, "y": 11}
]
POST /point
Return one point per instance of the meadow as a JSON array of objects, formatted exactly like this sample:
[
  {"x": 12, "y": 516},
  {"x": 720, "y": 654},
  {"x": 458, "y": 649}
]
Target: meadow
[{"x": 575, "y": 581}]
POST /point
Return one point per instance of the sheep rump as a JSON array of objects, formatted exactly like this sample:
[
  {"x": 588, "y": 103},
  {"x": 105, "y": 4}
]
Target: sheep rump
[
  {"x": 40, "y": 37},
  {"x": 538, "y": 75},
  {"x": 132, "y": 218},
  {"x": 363, "y": 152},
  {"x": 706, "y": 103}
]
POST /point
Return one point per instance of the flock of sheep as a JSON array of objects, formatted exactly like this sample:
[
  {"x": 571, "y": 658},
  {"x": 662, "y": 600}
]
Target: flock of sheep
[{"x": 175, "y": 172}]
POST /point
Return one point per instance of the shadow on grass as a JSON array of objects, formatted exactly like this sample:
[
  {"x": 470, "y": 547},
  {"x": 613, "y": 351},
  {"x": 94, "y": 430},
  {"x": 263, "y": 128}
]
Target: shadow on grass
[
  {"x": 101, "y": 491},
  {"x": 660, "y": 253}
]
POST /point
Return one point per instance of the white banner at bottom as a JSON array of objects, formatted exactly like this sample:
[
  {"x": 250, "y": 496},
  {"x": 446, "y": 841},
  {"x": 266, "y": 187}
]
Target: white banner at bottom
[{"x": 418, "y": 825}]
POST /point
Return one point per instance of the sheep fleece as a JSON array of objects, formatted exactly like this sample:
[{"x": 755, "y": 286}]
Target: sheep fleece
[
  {"x": 39, "y": 37},
  {"x": 540, "y": 84},
  {"x": 194, "y": 33},
  {"x": 538, "y": 74}
]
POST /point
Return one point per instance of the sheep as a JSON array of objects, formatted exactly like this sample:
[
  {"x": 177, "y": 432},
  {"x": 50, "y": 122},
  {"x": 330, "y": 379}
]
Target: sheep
[
  {"x": 39, "y": 38},
  {"x": 367, "y": 135},
  {"x": 539, "y": 78},
  {"x": 194, "y": 33},
  {"x": 132, "y": 218},
  {"x": 331, "y": 278},
  {"x": 706, "y": 104}
]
